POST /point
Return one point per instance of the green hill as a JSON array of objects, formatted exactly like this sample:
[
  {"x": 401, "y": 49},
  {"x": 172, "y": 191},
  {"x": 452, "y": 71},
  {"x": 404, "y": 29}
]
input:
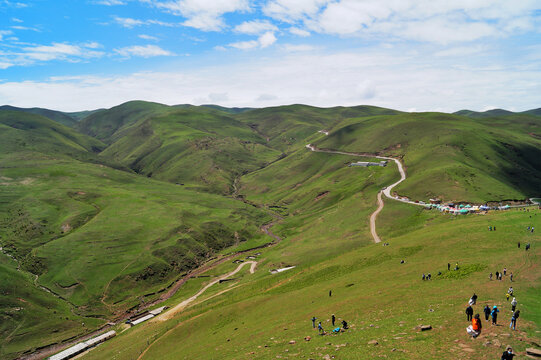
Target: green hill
[
  {"x": 451, "y": 157},
  {"x": 60, "y": 117},
  {"x": 103, "y": 217},
  {"x": 97, "y": 237},
  {"x": 103, "y": 124}
]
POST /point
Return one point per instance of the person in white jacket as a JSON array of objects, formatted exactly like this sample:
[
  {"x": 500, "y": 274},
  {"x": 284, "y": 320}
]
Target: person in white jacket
[{"x": 513, "y": 304}]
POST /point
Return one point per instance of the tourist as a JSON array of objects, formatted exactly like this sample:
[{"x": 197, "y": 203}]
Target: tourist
[
  {"x": 519, "y": 244},
  {"x": 424, "y": 277},
  {"x": 510, "y": 291},
  {"x": 497, "y": 275},
  {"x": 330, "y": 293},
  {"x": 504, "y": 271},
  {"x": 475, "y": 328},
  {"x": 344, "y": 324},
  {"x": 469, "y": 313},
  {"x": 508, "y": 354},
  {"x": 494, "y": 314},
  {"x": 513, "y": 304},
  {"x": 456, "y": 266},
  {"x": 314, "y": 322},
  {"x": 487, "y": 312},
  {"x": 473, "y": 299},
  {"x": 527, "y": 246},
  {"x": 490, "y": 276},
  {"x": 507, "y": 296},
  {"x": 511, "y": 277},
  {"x": 514, "y": 318},
  {"x": 429, "y": 276},
  {"x": 320, "y": 328},
  {"x": 333, "y": 319},
  {"x": 448, "y": 266}
]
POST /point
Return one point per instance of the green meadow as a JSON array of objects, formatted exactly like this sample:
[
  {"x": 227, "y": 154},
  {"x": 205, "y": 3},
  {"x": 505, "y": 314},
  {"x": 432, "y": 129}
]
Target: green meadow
[{"x": 100, "y": 217}]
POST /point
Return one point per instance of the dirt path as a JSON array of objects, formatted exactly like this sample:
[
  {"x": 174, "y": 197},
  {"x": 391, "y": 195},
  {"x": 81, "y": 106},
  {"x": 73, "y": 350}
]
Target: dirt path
[
  {"x": 178, "y": 308},
  {"x": 386, "y": 191}
]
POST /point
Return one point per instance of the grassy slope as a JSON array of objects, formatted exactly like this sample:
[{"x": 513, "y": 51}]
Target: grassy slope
[
  {"x": 99, "y": 237},
  {"x": 380, "y": 298},
  {"x": 322, "y": 233},
  {"x": 193, "y": 146},
  {"x": 60, "y": 117},
  {"x": 286, "y": 127},
  {"x": 103, "y": 124},
  {"x": 449, "y": 156}
]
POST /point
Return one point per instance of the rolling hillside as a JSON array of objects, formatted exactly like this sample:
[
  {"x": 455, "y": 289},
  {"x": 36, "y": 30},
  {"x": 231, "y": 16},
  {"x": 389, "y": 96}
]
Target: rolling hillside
[
  {"x": 58, "y": 116},
  {"x": 451, "y": 157},
  {"x": 102, "y": 217},
  {"x": 97, "y": 237}
]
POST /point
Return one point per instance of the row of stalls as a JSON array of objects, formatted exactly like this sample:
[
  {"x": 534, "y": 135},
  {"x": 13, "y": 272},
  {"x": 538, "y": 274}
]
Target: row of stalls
[
  {"x": 83, "y": 346},
  {"x": 463, "y": 209}
]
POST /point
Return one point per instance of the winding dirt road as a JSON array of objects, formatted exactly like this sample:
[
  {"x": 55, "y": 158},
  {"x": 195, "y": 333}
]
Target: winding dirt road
[
  {"x": 178, "y": 308},
  {"x": 386, "y": 191}
]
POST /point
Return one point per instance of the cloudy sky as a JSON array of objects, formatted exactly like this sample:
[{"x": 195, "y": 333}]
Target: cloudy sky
[{"x": 412, "y": 55}]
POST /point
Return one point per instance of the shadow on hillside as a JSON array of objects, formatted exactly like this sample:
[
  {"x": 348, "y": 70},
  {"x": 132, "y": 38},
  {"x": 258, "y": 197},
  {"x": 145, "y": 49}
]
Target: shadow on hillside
[{"x": 520, "y": 168}]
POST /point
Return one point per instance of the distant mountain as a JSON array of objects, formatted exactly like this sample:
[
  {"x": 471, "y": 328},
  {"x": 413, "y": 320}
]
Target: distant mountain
[
  {"x": 57, "y": 116},
  {"x": 233, "y": 110},
  {"x": 80, "y": 115},
  {"x": 496, "y": 113}
]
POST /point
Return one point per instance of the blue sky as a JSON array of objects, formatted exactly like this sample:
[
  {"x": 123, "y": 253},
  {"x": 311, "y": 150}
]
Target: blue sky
[{"x": 413, "y": 55}]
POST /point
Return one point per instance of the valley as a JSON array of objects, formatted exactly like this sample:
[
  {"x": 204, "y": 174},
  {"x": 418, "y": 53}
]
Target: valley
[{"x": 108, "y": 212}]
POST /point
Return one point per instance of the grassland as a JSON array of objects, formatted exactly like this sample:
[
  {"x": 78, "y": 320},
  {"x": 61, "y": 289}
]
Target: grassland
[
  {"x": 108, "y": 213},
  {"x": 381, "y": 298},
  {"x": 102, "y": 239}
]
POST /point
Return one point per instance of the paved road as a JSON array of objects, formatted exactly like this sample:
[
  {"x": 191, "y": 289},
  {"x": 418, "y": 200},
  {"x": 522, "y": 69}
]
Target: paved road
[{"x": 386, "y": 191}]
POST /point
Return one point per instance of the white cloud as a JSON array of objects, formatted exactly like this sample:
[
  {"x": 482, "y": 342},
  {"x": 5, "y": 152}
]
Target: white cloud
[
  {"x": 143, "y": 51},
  {"x": 110, "y": 2},
  {"x": 298, "y": 47},
  {"x": 58, "y": 51},
  {"x": 16, "y": 20},
  {"x": 255, "y": 27},
  {"x": 5, "y": 65},
  {"x": 439, "y": 21},
  {"x": 131, "y": 23},
  {"x": 461, "y": 51},
  {"x": 148, "y": 37},
  {"x": 291, "y": 11},
  {"x": 265, "y": 40},
  {"x": 204, "y": 15},
  {"x": 5, "y": 32},
  {"x": 382, "y": 77},
  {"x": 18, "y": 27},
  {"x": 299, "y": 32}
]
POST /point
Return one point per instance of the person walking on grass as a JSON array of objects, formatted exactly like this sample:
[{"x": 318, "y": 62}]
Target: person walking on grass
[
  {"x": 475, "y": 328},
  {"x": 497, "y": 275},
  {"x": 490, "y": 276},
  {"x": 333, "y": 319},
  {"x": 507, "y": 296},
  {"x": 519, "y": 244},
  {"x": 487, "y": 312},
  {"x": 508, "y": 354},
  {"x": 513, "y": 304},
  {"x": 320, "y": 328},
  {"x": 314, "y": 321},
  {"x": 511, "y": 277},
  {"x": 494, "y": 314},
  {"x": 344, "y": 324},
  {"x": 469, "y": 313},
  {"x": 514, "y": 318},
  {"x": 448, "y": 266},
  {"x": 504, "y": 271}
]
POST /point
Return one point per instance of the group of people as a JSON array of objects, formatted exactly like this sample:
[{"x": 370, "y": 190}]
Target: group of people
[
  {"x": 500, "y": 275},
  {"x": 492, "y": 228},
  {"x": 335, "y": 330},
  {"x": 475, "y": 328}
]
